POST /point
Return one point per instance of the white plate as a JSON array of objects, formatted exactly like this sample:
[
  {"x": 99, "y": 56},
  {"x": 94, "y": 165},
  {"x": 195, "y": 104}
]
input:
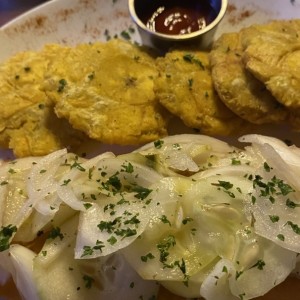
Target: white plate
[{"x": 75, "y": 21}]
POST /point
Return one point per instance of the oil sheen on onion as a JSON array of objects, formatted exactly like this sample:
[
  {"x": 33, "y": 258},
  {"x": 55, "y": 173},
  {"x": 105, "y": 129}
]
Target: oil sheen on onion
[{"x": 177, "y": 17}]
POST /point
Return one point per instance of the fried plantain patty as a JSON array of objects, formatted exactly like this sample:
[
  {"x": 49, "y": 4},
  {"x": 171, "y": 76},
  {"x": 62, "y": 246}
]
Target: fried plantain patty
[
  {"x": 106, "y": 91},
  {"x": 185, "y": 88},
  {"x": 272, "y": 54},
  {"x": 28, "y": 124},
  {"x": 237, "y": 88}
]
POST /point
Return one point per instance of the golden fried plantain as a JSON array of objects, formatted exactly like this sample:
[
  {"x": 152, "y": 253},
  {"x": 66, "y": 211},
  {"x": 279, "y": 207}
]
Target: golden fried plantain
[
  {"x": 237, "y": 88},
  {"x": 272, "y": 54},
  {"x": 185, "y": 88},
  {"x": 28, "y": 124},
  {"x": 106, "y": 90}
]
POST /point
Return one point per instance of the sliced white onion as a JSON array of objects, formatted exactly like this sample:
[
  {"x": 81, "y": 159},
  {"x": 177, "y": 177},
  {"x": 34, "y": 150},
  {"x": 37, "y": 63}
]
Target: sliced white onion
[
  {"x": 216, "y": 144},
  {"x": 22, "y": 260},
  {"x": 216, "y": 284},
  {"x": 290, "y": 154},
  {"x": 123, "y": 219}
]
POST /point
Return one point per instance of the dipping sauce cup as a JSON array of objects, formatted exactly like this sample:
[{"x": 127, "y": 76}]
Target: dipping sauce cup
[{"x": 164, "y": 23}]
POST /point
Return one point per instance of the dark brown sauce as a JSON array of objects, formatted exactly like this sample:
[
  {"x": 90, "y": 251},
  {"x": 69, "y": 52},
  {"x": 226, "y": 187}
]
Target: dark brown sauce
[{"x": 175, "y": 17}]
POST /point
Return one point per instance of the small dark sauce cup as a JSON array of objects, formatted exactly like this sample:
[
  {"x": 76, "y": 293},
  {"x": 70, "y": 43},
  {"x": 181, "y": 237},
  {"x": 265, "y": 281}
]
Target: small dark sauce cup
[{"x": 166, "y": 23}]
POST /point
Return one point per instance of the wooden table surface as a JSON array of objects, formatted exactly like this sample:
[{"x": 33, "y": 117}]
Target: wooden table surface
[{"x": 10, "y": 9}]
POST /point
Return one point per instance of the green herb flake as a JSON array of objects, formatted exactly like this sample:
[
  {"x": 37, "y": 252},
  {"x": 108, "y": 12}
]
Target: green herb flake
[
  {"x": 88, "y": 281},
  {"x": 66, "y": 182},
  {"x": 192, "y": 59},
  {"x": 113, "y": 183},
  {"x": 165, "y": 220},
  {"x": 225, "y": 270},
  {"x": 158, "y": 144},
  {"x": 125, "y": 35},
  {"x": 141, "y": 192},
  {"x": 238, "y": 274},
  {"x": 260, "y": 264},
  {"x": 164, "y": 246},
  {"x": 224, "y": 184},
  {"x": 289, "y": 203},
  {"x": 186, "y": 220},
  {"x": 295, "y": 227},
  {"x": 5, "y": 234},
  {"x": 128, "y": 168},
  {"x": 55, "y": 233},
  {"x": 146, "y": 257},
  {"x": 190, "y": 83},
  {"x": 87, "y": 205},
  {"x": 267, "y": 167},
  {"x": 61, "y": 85},
  {"x": 91, "y": 76},
  {"x": 235, "y": 162},
  {"x": 112, "y": 240},
  {"x": 12, "y": 171},
  {"x": 274, "y": 218}
]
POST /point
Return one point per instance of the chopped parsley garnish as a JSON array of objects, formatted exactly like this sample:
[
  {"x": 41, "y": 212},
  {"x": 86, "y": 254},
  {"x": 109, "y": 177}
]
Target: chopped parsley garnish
[
  {"x": 87, "y": 205},
  {"x": 158, "y": 144},
  {"x": 61, "y": 85},
  {"x": 125, "y": 35},
  {"x": 273, "y": 187},
  {"x": 133, "y": 220},
  {"x": 165, "y": 220},
  {"x": 259, "y": 264},
  {"x": 54, "y": 233},
  {"x": 238, "y": 274},
  {"x": 88, "y": 250},
  {"x": 224, "y": 184},
  {"x": 112, "y": 240},
  {"x": 145, "y": 258},
  {"x": 141, "y": 192},
  {"x": 274, "y": 219},
  {"x": 128, "y": 168},
  {"x": 289, "y": 203},
  {"x": 113, "y": 183},
  {"x": 235, "y": 162},
  {"x": 66, "y": 182},
  {"x": 164, "y": 246},
  {"x": 12, "y": 171},
  {"x": 186, "y": 220},
  {"x": 190, "y": 83},
  {"x": 5, "y": 234},
  {"x": 110, "y": 226},
  {"x": 294, "y": 226},
  {"x": 191, "y": 59},
  {"x": 88, "y": 281},
  {"x": 77, "y": 165},
  {"x": 267, "y": 167}
]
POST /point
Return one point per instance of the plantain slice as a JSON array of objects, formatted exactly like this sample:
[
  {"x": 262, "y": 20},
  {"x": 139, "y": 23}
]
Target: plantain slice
[
  {"x": 238, "y": 88},
  {"x": 106, "y": 90},
  {"x": 28, "y": 124},
  {"x": 185, "y": 88},
  {"x": 272, "y": 55}
]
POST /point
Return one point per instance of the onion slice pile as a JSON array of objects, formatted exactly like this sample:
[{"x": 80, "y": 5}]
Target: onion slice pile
[{"x": 202, "y": 218}]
